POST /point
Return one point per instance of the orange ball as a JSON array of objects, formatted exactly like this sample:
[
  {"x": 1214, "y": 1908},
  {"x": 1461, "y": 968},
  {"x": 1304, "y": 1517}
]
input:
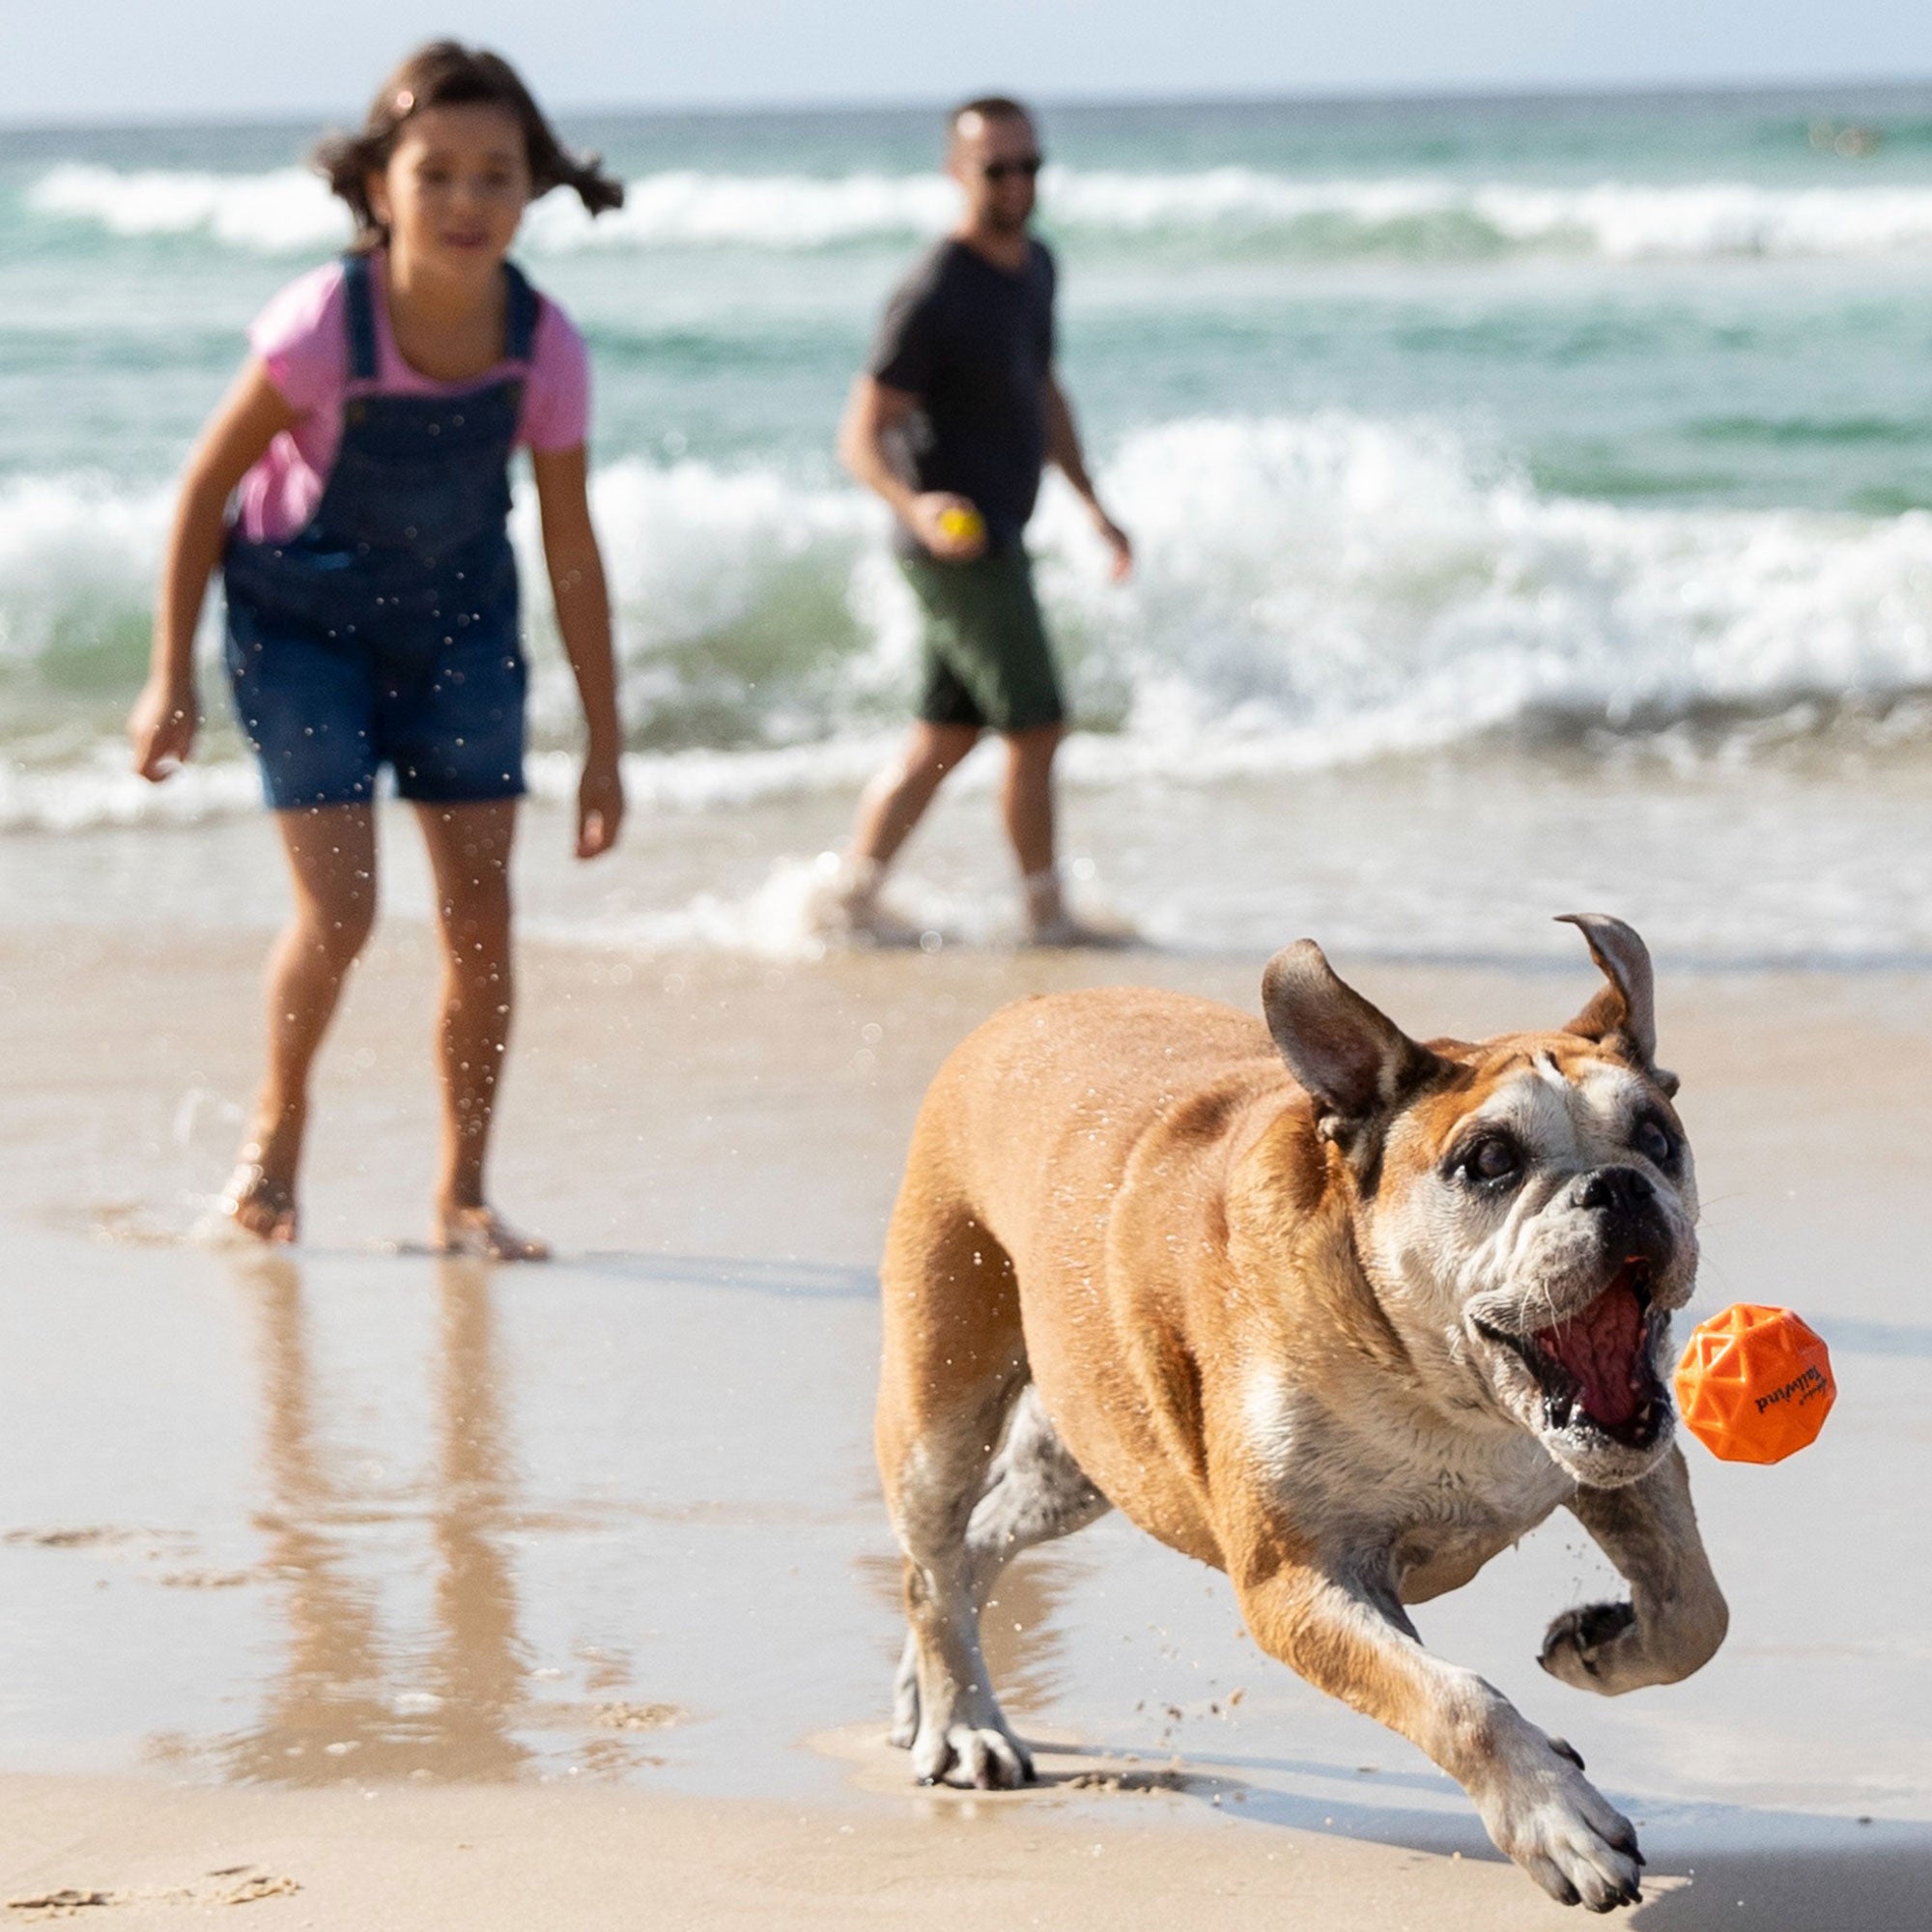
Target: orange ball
[{"x": 1754, "y": 1385}]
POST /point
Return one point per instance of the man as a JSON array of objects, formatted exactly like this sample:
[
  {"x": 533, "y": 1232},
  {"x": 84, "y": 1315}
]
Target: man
[{"x": 955, "y": 416}]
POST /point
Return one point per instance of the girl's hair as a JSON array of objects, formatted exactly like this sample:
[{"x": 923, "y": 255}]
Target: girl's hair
[{"x": 445, "y": 74}]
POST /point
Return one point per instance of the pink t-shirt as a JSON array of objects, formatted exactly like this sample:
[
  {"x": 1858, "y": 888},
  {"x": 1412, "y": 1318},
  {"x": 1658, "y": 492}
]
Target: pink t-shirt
[{"x": 303, "y": 340}]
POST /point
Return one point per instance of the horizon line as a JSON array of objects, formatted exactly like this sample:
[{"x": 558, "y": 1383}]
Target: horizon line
[{"x": 1551, "y": 92}]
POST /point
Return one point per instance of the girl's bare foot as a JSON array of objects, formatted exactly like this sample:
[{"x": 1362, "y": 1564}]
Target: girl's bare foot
[
  {"x": 257, "y": 1202},
  {"x": 483, "y": 1233}
]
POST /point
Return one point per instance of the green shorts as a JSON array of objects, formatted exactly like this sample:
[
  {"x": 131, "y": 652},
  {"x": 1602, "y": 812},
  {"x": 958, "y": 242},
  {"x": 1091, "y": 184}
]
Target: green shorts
[{"x": 987, "y": 661}]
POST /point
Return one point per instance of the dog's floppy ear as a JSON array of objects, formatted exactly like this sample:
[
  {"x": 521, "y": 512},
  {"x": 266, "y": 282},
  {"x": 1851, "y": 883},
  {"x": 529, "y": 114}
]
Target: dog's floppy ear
[
  {"x": 1352, "y": 1058},
  {"x": 1626, "y": 1008}
]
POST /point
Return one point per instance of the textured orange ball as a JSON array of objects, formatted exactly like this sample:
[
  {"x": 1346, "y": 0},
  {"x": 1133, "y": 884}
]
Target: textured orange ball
[{"x": 1755, "y": 1384}]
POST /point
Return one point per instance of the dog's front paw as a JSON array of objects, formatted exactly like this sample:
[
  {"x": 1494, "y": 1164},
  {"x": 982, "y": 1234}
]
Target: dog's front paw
[
  {"x": 1565, "y": 1834},
  {"x": 1589, "y": 1647},
  {"x": 975, "y": 1757}
]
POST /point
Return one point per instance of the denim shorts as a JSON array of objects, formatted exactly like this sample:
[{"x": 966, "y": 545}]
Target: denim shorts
[{"x": 325, "y": 714}]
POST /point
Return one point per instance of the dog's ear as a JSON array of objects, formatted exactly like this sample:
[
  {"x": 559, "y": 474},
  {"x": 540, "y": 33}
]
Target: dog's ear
[
  {"x": 1626, "y": 1008},
  {"x": 1352, "y": 1058}
]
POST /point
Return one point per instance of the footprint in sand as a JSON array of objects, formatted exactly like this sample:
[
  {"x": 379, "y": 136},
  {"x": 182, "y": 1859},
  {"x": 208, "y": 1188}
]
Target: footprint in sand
[
  {"x": 243, "y": 1885},
  {"x": 637, "y": 1717}
]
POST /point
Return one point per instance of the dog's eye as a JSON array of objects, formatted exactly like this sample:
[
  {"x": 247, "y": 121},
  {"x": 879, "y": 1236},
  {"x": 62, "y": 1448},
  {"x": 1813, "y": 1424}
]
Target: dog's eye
[
  {"x": 1653, "y": 1139},
  {"x": 1492, "y": 1161}
]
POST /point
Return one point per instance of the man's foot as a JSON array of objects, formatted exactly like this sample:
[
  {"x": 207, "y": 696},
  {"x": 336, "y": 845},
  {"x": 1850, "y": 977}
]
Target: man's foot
[
  {"x": 852, "y": 907},
  {"x": 1068, "y": 931},
  {"x": 482, "y": 1233},
  {"x": 874, "y": 925},
  {"x": 1049, "y": 922},
  {"x": 257, "y": 1203}
]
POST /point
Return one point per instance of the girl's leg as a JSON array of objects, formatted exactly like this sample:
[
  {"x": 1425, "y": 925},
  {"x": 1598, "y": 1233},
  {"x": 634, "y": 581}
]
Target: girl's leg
[
  {"x": 470, "y": 852},
  {"x": 331, "y": 854}
]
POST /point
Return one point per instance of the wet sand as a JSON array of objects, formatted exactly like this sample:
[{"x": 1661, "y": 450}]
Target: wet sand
[
  {"x": 423, "y": 1860},
  {"x": 562, "y": 1596}
]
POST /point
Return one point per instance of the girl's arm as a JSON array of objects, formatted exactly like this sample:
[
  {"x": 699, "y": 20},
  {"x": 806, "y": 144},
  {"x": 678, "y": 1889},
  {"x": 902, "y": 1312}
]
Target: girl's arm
[
  {"x": 165, "y": 714},
  {"x": 583, "y": 618}
]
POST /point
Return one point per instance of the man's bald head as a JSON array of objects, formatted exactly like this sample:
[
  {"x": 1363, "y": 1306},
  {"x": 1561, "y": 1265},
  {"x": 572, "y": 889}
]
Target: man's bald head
[{"x": 970, "y": 117}]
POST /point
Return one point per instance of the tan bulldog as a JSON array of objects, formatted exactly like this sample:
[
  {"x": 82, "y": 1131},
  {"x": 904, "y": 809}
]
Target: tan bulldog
[{"x": 1340, "y": 1314}]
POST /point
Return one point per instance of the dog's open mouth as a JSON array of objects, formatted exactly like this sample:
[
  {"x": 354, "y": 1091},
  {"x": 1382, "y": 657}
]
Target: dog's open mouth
[{"x": 1596, "y": 1367}]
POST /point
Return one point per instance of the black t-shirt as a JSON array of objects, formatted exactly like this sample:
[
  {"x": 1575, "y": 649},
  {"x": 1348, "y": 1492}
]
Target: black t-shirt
[{"x": 975, "y": 343}]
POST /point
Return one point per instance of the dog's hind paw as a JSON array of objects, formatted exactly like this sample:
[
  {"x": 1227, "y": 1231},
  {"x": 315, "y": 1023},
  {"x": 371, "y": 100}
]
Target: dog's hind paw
[
  {"x": 975, "y": 1759},
  {"x": 1584, "y": 1646},
  {"x": 905, "y": 1698}
]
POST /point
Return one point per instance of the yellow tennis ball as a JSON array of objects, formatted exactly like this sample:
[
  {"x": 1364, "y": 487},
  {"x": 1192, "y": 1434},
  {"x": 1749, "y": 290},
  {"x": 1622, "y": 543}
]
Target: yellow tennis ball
[{"x": 962, "y": 525}]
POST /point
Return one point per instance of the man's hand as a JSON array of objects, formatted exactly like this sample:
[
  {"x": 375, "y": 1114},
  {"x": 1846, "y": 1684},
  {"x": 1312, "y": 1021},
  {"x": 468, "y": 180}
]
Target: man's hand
[
  {"x": 600, "y": 805},
  {"x": 929, "y": 516},
  {"x": 162, "y": 728},
  {"x": 1117, "y": 543}
]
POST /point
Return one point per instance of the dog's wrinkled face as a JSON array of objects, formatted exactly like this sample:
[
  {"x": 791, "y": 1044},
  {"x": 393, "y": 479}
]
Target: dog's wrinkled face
[
  {"x": 1539, "y": 1219},
  {"x": 1525, "y": 1210}
]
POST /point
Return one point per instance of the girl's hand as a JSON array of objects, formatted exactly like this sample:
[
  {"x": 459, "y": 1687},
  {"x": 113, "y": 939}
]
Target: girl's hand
[
  {"x": 600, "y": 805},
  {"x": 162, "y": 728}
]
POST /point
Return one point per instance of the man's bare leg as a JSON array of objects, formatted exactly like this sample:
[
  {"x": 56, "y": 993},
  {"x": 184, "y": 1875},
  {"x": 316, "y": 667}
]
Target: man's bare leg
[
  {"x": 331, "y": 855},
  {"x": 889, "y": 808},
  {"x": 1026, "y": 804},
  {"x": 896, "y": 801},
  {"x": 469, "y": 853},
  {"x": 1026, "y": 798}
]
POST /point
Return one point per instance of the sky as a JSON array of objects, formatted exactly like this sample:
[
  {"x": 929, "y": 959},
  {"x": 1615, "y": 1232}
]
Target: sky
[{"x": 111, "y": 60}]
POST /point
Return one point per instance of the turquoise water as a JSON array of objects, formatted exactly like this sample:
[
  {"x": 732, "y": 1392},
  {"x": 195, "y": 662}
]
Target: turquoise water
[{"x": 1435, "y": 420}]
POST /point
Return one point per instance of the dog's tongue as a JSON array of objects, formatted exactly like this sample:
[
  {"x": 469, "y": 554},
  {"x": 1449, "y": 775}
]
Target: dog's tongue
[{"x": 1599, "y": 1349}]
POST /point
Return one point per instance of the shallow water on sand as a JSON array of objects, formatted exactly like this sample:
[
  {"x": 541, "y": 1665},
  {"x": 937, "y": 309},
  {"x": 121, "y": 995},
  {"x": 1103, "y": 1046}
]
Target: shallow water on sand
[
  {"x": 1721, "y": 859},
  {"x": 346, "y": 1515},
  {"x": 341, "y": 1517}
]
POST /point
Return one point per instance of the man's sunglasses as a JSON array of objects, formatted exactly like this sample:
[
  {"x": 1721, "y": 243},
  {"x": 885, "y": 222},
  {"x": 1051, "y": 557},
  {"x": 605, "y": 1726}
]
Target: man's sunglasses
[{"x": 998, "y": 171}]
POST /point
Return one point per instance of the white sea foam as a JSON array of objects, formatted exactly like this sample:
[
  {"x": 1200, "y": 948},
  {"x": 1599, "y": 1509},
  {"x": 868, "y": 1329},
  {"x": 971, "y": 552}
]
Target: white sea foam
[
  {"x": 100, "y": 790},
  {"x": 786, "y": 916},
  {"x": 1310, "y": 591},
  {"x": 287, "y": 209},
  {"x": 780, "y": 211},
  {"x": 1328, "y": 586},
  {"x": 78, "y": 559}
]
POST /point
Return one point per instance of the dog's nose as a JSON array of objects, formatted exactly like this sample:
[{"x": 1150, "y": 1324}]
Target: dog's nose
[{"x": 1615, "y": 1190}]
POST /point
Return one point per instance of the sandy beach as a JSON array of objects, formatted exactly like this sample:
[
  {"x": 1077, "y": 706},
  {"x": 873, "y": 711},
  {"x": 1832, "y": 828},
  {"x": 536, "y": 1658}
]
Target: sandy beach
[{"x": 515, "y": 1598}]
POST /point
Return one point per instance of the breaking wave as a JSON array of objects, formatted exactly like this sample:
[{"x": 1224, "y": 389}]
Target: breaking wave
[
  {"x": 288, "y": 211},
  {"x": 1310, "y": 591}
]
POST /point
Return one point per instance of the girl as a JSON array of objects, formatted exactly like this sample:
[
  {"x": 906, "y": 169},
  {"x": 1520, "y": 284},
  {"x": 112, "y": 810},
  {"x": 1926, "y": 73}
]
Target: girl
[{"x": 372, "y": 594}]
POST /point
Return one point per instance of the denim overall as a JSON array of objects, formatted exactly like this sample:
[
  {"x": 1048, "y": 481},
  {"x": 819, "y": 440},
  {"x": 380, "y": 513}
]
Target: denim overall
[{"x": 386, "y": 632}]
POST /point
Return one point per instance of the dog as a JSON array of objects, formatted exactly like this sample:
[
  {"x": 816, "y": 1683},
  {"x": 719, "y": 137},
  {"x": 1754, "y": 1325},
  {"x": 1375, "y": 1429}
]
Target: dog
[{"x": 1337, "y": 1312}]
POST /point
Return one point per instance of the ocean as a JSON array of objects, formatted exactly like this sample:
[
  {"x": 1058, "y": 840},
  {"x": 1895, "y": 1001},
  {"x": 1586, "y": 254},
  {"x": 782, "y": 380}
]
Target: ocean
[{"x": 1532, "y": 497}]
